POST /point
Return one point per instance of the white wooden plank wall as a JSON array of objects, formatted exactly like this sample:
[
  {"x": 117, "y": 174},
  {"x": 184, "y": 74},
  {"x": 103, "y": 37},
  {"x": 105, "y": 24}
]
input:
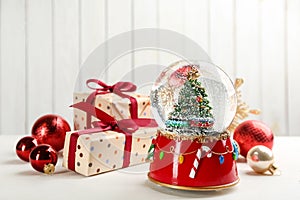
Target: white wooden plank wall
[
  {"x": 66, "y": 55},
  {"x": 293, "y": 60},
  {"x": 13, "y": 82},
  {"x": 247, "y": 50},
  {"x": 145, "y": 15},
  {"x": 43, "y": 44},
  {"x": 39, "y": 60}
]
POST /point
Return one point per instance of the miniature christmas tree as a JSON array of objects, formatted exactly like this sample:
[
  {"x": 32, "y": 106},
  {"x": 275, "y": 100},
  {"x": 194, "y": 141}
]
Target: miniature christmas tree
[{"x": 192, "y": 113}]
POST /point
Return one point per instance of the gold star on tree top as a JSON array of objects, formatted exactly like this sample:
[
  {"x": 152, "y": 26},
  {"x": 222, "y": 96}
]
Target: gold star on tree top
[{"x": 193, "y": 74}]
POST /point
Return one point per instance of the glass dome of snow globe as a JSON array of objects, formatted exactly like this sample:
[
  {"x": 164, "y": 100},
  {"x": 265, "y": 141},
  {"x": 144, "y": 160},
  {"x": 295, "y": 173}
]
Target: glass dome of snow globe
[{"x": 193, "y": 98}]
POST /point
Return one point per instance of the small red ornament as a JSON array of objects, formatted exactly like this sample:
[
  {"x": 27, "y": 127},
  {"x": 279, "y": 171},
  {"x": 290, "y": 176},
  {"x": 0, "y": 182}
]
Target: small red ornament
[
  {"x": 51, "y": 129},
  {"x": 24, "y": 147},
  {"x": 199, "y": 99},
  {"x": 251, "y": 133},
  {"x": 43, "y": 158}
]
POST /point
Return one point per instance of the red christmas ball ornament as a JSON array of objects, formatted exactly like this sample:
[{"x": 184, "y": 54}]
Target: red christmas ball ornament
[
  {"x": 24, "y": 147},
  {"x": 251, "y": 133},
  {"x": 43, "y": 158},
  {"x": 51, "y": 129}
]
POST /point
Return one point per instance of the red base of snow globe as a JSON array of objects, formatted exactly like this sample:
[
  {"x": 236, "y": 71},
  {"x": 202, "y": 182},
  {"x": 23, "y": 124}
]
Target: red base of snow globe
[{"x": 194, "y": 162}]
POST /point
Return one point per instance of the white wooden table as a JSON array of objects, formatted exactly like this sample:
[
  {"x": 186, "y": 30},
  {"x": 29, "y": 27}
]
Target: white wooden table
[{"x": 19, "y": 181}]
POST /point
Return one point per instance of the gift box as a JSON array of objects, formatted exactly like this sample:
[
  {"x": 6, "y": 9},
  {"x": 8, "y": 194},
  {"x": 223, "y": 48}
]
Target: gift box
[
  {"x": 118, "y": 100},
  {"x": 103, "y": 151},
  {"x": 112, "y": 144}
]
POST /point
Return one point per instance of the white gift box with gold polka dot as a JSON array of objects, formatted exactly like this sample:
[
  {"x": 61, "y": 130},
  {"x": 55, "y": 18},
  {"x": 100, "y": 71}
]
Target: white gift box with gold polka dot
[
  {"x": 113, "y": 105},
  {"x": 98, "y": 152}
]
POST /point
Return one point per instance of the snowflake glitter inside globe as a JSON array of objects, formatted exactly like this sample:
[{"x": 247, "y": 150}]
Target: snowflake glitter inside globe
[{"x": 193, "y": 98}]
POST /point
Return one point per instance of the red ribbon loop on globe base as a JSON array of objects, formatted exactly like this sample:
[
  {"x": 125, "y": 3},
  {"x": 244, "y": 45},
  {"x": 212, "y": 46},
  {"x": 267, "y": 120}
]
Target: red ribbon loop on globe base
[
  {"x": 119, "y": 88},
  {"x": 107, "y": 122}
]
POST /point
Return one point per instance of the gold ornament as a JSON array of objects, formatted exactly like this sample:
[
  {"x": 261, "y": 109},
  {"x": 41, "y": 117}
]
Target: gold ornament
[
  {"x": 242, "y": 110},
  {"x": 49, "y": 168},
  {"x": 260, "y": 158}
]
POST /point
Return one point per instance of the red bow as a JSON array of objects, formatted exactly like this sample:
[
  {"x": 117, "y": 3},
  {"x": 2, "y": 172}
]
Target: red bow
[
  {"x": 119, "y": 88},
  {"x": 103, "y": 88}
]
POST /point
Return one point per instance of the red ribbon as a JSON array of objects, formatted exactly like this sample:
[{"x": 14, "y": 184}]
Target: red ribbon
[
  {"x": 107, "y": 122},
  {"x": 119, "y": 88}
]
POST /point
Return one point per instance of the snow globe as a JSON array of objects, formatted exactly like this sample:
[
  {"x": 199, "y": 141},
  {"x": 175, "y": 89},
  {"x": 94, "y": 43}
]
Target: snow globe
[{"x": 193, "y": 103}]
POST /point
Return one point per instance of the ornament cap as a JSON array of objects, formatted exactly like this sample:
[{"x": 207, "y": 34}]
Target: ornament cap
[
  {"x": 49, "y": 168},
  {"x": 273, "y": 169}
]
